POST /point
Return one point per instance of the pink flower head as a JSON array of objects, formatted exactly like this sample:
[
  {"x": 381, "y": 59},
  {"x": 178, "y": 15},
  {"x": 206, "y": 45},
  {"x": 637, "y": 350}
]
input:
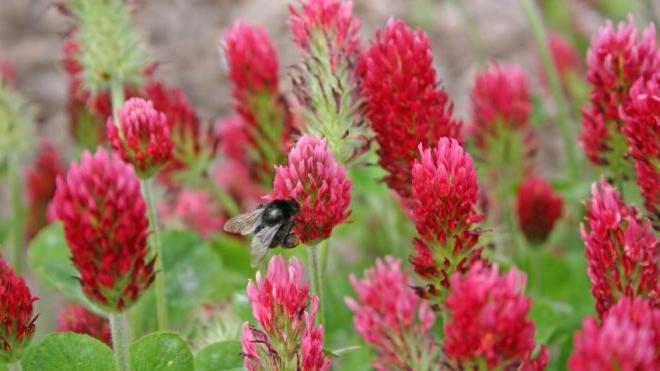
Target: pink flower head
[
  {"x": 445, "y": 193},
  {"x": 285, "y": 310},
  {"x": 313, "y": 355},
  {"x": 196, "y": 210},
  {"x": 106, "y": 227},
  {"x": 402, "y": 100},
  {"x": 40, "y": 186},
  {"x": 141, "y": 137},
  {"x": 319, "y": 184},
  {"x": 501, "y": 101},
  {"x": 77, "y": 318},
  {"x": 538, "y": 208},
  {"x": 327, "y": 21},
  {"x": 388, "y": 314},
  {"x": 627, "y": 340},
  {"x": 622, "y": 251},
  {"x": 282, "y": 295},
  {"x": 488, "y": 322},
  {"x": 16, "y": 317},
  {"x": 641, "y": 115},
  {"x": 615, "y": 60},
  {"x": 253, "y": 70}
]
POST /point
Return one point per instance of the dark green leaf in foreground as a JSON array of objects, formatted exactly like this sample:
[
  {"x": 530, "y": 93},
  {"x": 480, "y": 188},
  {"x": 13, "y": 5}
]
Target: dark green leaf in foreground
[
  {"x": 68, "y": 351},
  {"x": 163, "y": 351},
  {"x": 224, "y": 355}
]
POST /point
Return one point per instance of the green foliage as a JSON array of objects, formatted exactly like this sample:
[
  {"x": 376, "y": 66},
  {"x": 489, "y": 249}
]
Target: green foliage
[
  {"x": 220, "y": 356},
  {"x": 69, "y": 352},
  {"x": 192, "y": 274},
  {"x": 16, "y": 131},
  {"x": 161, "y": 351},
  {"x": 109, "y": 47}
]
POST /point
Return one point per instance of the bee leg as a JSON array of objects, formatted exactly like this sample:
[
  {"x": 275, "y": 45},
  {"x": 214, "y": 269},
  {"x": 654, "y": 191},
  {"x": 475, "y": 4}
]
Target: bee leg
[{"x": 290, "y": 241}]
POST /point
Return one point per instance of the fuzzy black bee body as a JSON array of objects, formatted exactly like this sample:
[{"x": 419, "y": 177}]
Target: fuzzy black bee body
[{"x": 271, "y": 224}]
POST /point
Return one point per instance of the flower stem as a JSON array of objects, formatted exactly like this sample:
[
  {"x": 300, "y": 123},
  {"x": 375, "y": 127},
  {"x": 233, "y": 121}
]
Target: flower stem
[
  {"x": 157, "y": 250},
  {"x": 120, "y": 341},
  {"x": 223, "y": 198},
  {"x": 15, "y": 231},
  {"x": 315, "y": 276},
  {"x": 536, "y": 25},
  {"x": 117, "y": 96},
  {"x": 16, "y": 366}
]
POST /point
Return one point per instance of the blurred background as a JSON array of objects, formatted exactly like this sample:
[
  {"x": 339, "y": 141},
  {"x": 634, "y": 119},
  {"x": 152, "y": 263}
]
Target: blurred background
[{"x": 183, "y": 37}]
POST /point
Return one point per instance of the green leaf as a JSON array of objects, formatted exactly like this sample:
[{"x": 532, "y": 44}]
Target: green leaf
[
  {"x": 69, "y": 351},
  {"x": 224, "y": 355},
  {"x": 50, "y": 260},
  {"x": 191, "y": 277},
  {"x": 161, "y": 351}
]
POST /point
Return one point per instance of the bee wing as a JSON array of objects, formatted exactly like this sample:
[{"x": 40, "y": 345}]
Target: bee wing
[
  {"x": 244, "y": 223},
  {"x": 261, "y": 243}
]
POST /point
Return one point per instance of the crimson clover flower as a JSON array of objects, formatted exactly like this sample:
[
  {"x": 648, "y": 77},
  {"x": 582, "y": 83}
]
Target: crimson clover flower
[
  {"x": 616, "y": 59},
  {"x": 286, "y": 338},
  {"x": 621, "y": 250},
  {"x": 105, "y": 224},
  {"x": 402, "y": 100},
  {"x": 538, "y": 208},
  {"x": 627, "y": 339},
  {"x": 319, "y": 184},
  {"x": 392, "y": 318},
  {"x": 16, "y": 316},
  {"x": 141, "y": 137},
  {"x": 488, "y": 320}
]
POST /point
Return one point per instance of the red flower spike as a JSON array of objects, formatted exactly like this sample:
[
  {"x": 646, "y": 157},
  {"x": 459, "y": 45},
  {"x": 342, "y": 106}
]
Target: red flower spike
[
  {"x": 16, "y": 318},
  {"x": 641, "y": 115},
  {"x": 389, "y": 314},
  {"x": 106, "y": 227},
  {"x": 501, "y": 101},
  {"x": 621, "y": 250},
  {"x": 253, "y": 70},
  {"x": 141, "y": 137},
  {"x": 488, "y": 322},
  {"x": 445, "y": 194},
  {"x": 627, "y": 340},
  {"x": 78, "y": 319},
  {"x": 285, "y": 310},
  {"x": 40, "y": 186},
  {"x": 538, "y": 209},
  {"x": 319, "y": 184},
  {"x": 402, "y": 100},
  {"x": 615, "y": 60},
  {"x": 331, "y": 20}
]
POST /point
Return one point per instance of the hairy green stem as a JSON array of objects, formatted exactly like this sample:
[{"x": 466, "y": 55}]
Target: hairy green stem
[
  {"x": 15, "y": 231},
  {"x": 16, "y": 366},
  {"x": 117, "y": 95},
  {"x": 157, "y": 250},
  {"x": 120, "y": 341},
  {"x": 315, "y": 276},
  {"x": 563, "y": 113}
]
